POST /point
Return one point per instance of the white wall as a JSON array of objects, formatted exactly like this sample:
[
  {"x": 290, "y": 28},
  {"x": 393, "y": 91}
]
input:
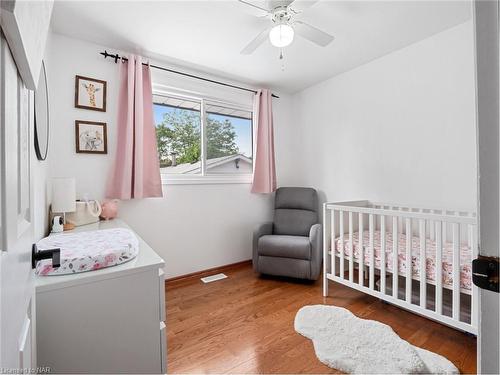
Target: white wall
[
  {"x": 194, "y": 227},
  {"x": 398, "y": 129},
  {"x": 39, "y": 174}
]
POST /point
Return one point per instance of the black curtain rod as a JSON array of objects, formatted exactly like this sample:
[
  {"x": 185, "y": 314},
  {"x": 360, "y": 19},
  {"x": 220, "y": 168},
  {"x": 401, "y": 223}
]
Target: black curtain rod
[{"x": 117, "y": 57}]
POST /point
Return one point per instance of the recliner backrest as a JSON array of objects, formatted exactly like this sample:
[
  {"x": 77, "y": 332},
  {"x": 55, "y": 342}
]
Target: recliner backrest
[{"x": 295, "y": 211}]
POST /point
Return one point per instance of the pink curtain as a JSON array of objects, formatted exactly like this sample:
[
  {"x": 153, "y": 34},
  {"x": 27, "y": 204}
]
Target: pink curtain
[
  {"x": 264, "y": 176},
  {"x": 136, "y": 172}
]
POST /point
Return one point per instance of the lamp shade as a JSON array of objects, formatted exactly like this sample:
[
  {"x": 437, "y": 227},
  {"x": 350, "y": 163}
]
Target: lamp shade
[{"x": 63, "y": 195}]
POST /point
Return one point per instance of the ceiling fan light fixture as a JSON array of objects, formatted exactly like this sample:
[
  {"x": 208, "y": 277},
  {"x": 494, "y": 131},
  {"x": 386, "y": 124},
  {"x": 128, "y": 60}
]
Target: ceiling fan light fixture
[{"x": 281, "y": 35}]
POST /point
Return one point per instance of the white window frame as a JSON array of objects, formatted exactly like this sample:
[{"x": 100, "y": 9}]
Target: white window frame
[{"x": 203, "y": 178}]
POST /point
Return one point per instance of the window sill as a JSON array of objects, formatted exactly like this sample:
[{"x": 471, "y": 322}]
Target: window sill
[{"x": 171, "y": 179}]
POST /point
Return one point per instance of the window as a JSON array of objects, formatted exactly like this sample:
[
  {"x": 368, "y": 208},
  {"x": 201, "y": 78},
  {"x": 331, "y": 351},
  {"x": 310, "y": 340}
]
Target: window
[
  {"x": 178, "y": 134},
  {"x": 229, "y": 140},
  {"x": 203, "y": 140}
]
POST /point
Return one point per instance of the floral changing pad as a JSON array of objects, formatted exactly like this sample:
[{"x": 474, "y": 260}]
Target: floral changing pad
[{"x": 88, "y": 251}]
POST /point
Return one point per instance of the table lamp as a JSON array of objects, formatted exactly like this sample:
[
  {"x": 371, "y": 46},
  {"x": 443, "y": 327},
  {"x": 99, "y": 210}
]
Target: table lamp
[{"x": 64, "y": 198}]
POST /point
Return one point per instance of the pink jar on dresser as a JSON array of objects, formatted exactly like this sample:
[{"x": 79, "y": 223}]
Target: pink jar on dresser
[{"x": 109, "y": 209}]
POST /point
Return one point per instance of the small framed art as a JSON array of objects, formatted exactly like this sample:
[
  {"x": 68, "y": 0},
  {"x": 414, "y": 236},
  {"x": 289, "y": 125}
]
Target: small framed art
[
  {"x": 91, "y": 137},
  {"x": 90, "y": 93}
]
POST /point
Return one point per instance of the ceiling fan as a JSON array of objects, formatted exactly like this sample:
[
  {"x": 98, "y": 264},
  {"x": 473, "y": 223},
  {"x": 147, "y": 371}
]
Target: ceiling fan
[{"x": 284, "y": 25}]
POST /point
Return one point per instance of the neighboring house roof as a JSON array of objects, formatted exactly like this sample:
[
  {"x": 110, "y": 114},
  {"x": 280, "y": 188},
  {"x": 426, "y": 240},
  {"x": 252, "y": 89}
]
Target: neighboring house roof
[{"x": 189, "y": 168}]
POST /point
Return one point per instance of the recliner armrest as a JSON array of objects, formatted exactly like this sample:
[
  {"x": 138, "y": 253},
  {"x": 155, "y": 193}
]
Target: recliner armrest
[
  {"x": 261, "y": 230},
  {"x": 316, "y": 240},
  {"x": 315, "y": 234}
]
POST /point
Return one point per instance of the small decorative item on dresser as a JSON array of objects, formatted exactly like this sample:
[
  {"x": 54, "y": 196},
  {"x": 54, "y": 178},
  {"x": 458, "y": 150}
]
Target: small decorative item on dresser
[
  {"x": 90, "y": 93},
  {"x": 109, "y": 209},
  {"x": 57, "y": 224},
  {"x": 91, "y": 137},
  {"x": 86, "y": 212}
]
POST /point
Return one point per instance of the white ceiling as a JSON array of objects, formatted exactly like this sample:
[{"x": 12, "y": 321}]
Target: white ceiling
[{"x": 209, "y": 35}]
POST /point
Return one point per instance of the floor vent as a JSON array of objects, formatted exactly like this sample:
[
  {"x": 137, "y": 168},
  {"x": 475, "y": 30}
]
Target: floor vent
[{"x": 216, "y": 277}]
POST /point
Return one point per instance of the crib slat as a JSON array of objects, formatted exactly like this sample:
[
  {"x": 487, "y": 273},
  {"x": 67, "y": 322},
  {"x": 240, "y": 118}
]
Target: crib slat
[
  {"x": 423, "y": 264},
  {"x": 361, "y": 264},
  {"x": 334, "y": 256},
  {"x": 382, "y": 254},
  {"x": 351, "y": 249},
  {"x": 474, "y": 289},
  {"x": 395, "y": 270},
  {"x": 439, "y": 267},
  {"x": 341, "y": 233},
  {"x": 456, "y": 270},
  {"x": 372, "y": 253},
  {"x": 445, "y": 235},
  {"x": 326, "y": 243},
  {"x": 408, "y": 260}
]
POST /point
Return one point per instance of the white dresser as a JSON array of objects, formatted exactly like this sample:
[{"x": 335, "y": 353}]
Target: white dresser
[{"x": 107, "y": 321}]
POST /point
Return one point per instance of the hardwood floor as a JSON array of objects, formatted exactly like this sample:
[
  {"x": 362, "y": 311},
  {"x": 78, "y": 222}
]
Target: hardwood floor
[{"x": 244, "y": 324}]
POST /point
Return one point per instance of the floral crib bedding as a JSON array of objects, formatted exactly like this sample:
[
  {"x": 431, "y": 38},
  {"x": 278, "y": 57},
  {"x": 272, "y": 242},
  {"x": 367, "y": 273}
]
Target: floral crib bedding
[
  {"x": 447, "y": 256},
  {"x": 88, "y": 251}
]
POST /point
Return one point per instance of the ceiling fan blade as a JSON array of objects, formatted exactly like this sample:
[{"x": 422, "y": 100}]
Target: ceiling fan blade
[
  {"x": 254, "y": 44},
  {"x": 300, "y": 5},
  {"x": 272, "y": 4},
  {"x": 254, "y": 9},
  {"x": 313, "y": 34}
]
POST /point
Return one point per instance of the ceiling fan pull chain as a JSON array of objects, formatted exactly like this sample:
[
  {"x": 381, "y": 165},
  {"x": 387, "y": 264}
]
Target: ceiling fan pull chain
[{"x": 282, "y": 59}]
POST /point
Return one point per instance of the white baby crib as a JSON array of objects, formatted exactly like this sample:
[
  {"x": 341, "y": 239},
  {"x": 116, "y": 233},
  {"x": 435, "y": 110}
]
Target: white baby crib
[{"x": 360, "y": 238}]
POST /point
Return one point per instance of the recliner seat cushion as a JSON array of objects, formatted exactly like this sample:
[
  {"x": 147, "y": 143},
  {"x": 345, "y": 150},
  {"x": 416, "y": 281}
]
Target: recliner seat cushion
[{"x": 297, "y": 247}]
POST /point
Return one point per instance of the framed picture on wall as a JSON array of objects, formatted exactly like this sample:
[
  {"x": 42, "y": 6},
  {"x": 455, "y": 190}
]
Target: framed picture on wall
[
  {"x": 91, "y": 137},
  {"x": 90, "y": 93}
]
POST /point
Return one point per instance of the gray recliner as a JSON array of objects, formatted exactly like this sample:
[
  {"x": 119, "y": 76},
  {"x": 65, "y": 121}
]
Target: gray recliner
[{"x": 292, "y": 244}]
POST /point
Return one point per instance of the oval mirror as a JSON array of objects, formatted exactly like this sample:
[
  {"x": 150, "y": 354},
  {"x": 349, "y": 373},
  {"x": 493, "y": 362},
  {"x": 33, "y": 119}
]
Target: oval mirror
[{"x": 42, "y": 116}]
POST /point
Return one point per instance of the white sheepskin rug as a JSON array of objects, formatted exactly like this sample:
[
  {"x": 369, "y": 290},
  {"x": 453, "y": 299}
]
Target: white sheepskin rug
[{"x": 359, "y": 346}]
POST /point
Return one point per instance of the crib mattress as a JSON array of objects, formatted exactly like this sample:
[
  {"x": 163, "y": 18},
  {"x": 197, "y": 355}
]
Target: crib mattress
[
  {"x": 447, "y": 256},
  {"x": 88, "y": 251}
]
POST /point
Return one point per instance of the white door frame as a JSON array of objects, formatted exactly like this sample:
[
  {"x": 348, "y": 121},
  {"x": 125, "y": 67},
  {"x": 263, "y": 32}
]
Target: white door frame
[
  {"x": 486, "y": 29},
  {"x": 16, "y": 216},
  {"x": 24, "y": 29}
]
